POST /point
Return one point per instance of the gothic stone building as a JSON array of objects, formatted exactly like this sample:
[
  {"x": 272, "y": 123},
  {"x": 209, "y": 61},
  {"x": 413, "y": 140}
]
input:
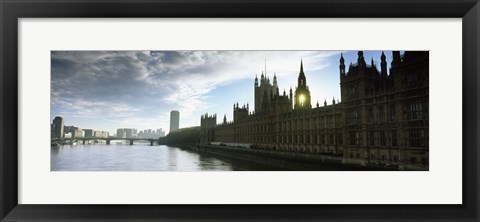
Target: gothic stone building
[{"x": 381, "y": 119}]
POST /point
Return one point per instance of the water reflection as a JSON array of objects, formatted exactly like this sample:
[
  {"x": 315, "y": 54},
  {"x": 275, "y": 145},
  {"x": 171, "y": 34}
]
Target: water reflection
[{"x": 122, "y": 157}]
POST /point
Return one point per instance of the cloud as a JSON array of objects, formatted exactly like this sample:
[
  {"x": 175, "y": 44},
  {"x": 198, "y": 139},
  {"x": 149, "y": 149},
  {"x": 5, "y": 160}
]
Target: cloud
[{"x": 143, "y": 86}]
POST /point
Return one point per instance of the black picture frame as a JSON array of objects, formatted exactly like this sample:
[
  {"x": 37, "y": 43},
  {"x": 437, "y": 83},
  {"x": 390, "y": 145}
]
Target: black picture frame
[{"x": 11, "y": 11}]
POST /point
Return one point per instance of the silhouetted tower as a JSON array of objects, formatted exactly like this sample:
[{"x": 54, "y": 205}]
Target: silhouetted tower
[
  {"x": 291, "y": 97},
  {"x": 275, "y": 85},
  {"x": 383, "y": 65},
  {"x": 342, "y": 65},
  {"x": 302, "y": 94},
  {"x": 260, "y": 89},
  {"x": 207, "y": 128},
  {"x": 361, "y": 61}
]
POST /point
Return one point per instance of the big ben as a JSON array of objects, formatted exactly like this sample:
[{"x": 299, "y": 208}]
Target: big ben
[{"x": 302, "y": 94}]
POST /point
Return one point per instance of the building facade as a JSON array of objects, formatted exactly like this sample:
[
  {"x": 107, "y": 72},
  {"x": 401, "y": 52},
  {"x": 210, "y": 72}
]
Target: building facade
[
  {"x": 58, "y": 127},
  {"x": 382, "y": 118},
  {"x": 73, "y": 131},
  {"x": 88, "y": 133},
  {"x": 174, "y": 120},
  {"x": 100, "y": 134}
]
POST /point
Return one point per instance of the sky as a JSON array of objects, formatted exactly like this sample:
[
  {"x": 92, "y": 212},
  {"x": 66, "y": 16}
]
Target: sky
[{"x": 106, "y": 90}]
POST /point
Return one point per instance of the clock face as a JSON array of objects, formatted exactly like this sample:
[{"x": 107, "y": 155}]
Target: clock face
[{"x": 301, "y": 99}]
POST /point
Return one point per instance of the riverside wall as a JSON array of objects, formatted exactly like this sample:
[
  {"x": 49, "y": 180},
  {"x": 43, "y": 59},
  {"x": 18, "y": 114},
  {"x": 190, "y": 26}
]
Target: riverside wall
[{"x": 287, "y": 160}]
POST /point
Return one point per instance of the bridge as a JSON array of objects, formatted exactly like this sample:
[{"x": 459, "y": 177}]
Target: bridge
[{"x": 131, "y": 140}]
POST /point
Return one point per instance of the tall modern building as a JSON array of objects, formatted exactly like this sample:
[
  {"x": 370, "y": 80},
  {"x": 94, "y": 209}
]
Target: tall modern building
[
  {"x": 174, "y": 120},
  {"x": 382, "y": 117},
  {"x": 58, "y": 127}
]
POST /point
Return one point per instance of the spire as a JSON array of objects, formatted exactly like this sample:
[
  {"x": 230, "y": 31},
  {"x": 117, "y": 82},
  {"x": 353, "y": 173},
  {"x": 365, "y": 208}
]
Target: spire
[
  {"x": 342, "y": 65},
  {"x": 275, "y": 79},
  {"x": 284, "y": 92},
  {"x": 383, "y": 65},
  {"x": 302, "y": 81},
  {"x": 301, "y": 67},
  {"x": 317, "y": 104},
  {"x": 373, "y": 64},
  {"x": 361, "y": 60},
  {"x": 333, "y": 101},
  {"x": 325, "y": 103}
]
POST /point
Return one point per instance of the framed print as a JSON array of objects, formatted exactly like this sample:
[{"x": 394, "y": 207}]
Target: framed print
[{"x": 278, "y": 110}]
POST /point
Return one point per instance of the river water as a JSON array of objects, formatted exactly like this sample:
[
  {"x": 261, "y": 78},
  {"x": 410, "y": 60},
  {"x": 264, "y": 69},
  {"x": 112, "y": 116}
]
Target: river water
[{"x": 141, "y": 157}]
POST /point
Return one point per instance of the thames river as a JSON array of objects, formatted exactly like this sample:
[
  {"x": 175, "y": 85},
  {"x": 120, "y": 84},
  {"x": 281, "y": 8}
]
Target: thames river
[{"x": 141, "y": 157}]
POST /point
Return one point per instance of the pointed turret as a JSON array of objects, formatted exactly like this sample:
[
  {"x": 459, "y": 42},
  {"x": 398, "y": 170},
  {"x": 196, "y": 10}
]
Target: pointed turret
[
  {"x": 342, "y": 65},
  {"x": 256, "y": 81},
  {"x": 383, "y": 65},
  {"x": 361, "y": 60},
  {"x": 301, "y": 66},
  {"x": 274, "y": 79},
  {"x": 291, "y": 97},
  {"x": 302, "y": 81}
]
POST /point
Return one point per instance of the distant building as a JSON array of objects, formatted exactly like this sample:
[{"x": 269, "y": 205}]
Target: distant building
[
  {"x": 174, "y": 120},
  {"x": 58, "y": 127},
  {"x": 151, "y": 134},
  {"x": 129, "y": 132},
  {"x": 88, "y": 133},
  {"x": 121, "y": 133},
  {"x": 160, "y": 133},
  {"x": 74, "y": 131},
  {"x": 67, "y": 135},
  {"x": 101, "y": 134}
]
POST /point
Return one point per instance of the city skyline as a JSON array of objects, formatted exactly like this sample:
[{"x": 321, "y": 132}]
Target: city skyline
[{"x": 138, "y": 89}]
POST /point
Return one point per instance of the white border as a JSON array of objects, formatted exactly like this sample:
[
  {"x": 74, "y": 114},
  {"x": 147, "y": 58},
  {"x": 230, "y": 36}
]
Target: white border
[{"x": 441, "y": 185}]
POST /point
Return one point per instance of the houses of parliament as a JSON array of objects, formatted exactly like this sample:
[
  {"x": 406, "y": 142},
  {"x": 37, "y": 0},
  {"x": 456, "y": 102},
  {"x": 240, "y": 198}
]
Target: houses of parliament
[{"x": 382, "y": 117}]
